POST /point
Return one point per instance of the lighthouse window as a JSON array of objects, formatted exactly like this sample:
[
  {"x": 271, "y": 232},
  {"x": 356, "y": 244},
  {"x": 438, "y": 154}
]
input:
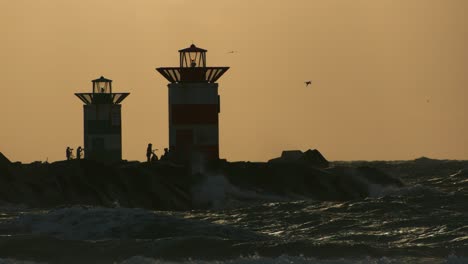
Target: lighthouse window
[{"x": 102, "y": 87}]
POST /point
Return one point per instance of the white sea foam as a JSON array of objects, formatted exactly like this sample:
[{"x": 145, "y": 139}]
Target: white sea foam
[
  {"x": 95, "y": 223},
  {"x": 83, "y": 223},
  {"x": 217, "y": 191}
]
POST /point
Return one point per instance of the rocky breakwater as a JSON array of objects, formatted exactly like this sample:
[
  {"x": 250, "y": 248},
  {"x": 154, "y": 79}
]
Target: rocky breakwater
[
  {"x": 295, "y": 175},
  {"x": 63, "y": 183},
  {"x": 164, "y": 186}
]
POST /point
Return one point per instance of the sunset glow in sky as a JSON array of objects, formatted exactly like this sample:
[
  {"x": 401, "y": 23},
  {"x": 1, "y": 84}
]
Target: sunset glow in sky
[{"x": 389, "y": 77}]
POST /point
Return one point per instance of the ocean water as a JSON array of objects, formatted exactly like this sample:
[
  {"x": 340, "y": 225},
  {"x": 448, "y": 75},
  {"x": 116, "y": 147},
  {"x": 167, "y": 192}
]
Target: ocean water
[{"x": 424, "y": 222}]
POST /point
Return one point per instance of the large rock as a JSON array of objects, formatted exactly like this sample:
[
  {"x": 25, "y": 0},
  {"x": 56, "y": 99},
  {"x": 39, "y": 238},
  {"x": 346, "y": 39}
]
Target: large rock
[
  {"x": 310, "y": 157},
  {"x": 315, "y": 158},
  {"x": 4, "y": 160}
]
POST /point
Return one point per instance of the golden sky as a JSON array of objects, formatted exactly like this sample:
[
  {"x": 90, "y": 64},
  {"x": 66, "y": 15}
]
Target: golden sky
[{"x": 389, "y": 76}]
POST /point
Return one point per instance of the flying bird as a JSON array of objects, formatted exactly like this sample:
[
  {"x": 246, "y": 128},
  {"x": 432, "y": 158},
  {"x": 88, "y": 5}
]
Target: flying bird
[
  {"x": 232, "y": 52},
  {"x": 307, "y": 83}
]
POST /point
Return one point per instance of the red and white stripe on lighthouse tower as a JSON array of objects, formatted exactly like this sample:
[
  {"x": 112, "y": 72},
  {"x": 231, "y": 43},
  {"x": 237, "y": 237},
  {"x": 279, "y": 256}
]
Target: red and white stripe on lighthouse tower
[{"x": 194, "y": 105}]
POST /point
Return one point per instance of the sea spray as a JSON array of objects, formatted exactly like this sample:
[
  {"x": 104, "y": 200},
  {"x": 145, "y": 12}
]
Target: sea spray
[{"x": 216, "y": 192}]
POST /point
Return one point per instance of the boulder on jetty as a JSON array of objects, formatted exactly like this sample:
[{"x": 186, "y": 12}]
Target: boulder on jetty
[
  {"x": 4, "y": 160},
  {"x": 311, "y": 157}
]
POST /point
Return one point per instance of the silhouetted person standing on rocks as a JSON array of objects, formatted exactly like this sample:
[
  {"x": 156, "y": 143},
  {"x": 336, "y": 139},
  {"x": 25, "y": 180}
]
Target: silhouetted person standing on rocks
[
  {"x": 149, "y": 151},
  {"x": 154, "y": 157},
  {"x": 79, "y": 150},
  {"x": 69, "y": 153}
]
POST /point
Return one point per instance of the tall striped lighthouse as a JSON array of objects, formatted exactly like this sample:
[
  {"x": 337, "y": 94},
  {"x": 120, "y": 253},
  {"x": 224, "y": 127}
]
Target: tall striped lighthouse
[
  {"x": 102, "y": 122},
  {"x": 194, "y": 105}
]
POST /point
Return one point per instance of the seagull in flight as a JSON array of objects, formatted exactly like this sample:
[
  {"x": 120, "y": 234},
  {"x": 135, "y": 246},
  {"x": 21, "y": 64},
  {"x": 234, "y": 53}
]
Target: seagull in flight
[{"x": 307, "y": 83}]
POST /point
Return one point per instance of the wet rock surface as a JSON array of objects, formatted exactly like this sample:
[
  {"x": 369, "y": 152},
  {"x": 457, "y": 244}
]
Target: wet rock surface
[{"x": 166, "y": 186}]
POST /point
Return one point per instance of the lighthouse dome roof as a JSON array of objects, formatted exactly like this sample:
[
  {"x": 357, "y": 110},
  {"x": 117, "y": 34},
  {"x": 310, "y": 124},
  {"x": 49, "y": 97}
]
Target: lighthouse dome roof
[{"x": 193, "y": 48}]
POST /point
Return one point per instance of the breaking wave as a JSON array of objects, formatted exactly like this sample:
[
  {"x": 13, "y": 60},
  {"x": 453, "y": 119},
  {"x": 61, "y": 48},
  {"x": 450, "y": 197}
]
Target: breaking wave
[
  {"x": 216, "y": 192},
  {"x": 97, "y": 223}
]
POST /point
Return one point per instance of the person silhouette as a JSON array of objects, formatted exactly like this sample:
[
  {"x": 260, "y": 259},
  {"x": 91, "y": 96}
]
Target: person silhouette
[
  {"x": 165, "y": 155},
  {"x": 154, "y": 157},
  {"x": 149, "y": 151},
  {"x": 79, "y": 150},
  {"x": 68, "y": 153}
]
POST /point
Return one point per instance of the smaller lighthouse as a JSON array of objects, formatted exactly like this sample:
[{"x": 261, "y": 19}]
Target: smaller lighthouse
[{"x": 102, "y": 122}]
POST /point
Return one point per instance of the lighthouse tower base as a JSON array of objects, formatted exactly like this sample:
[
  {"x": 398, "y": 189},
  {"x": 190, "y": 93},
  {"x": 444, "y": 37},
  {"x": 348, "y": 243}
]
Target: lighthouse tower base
[
  {"x": 103, "y": 132},
  {"x": 193, "y": 121}
]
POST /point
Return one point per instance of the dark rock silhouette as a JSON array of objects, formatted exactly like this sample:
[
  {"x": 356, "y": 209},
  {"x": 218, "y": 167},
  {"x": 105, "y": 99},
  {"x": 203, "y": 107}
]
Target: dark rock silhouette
[
  {"x": 302, "y": 180},
  {"x": 4, "y": 161},
  {"x": 166, "y": 186},
  {"x": 315, "y": 157},
  {"x": 288, "y": 156},
  {"x": 93, "y": 183},
  {"x": 310, "y": 157}
]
